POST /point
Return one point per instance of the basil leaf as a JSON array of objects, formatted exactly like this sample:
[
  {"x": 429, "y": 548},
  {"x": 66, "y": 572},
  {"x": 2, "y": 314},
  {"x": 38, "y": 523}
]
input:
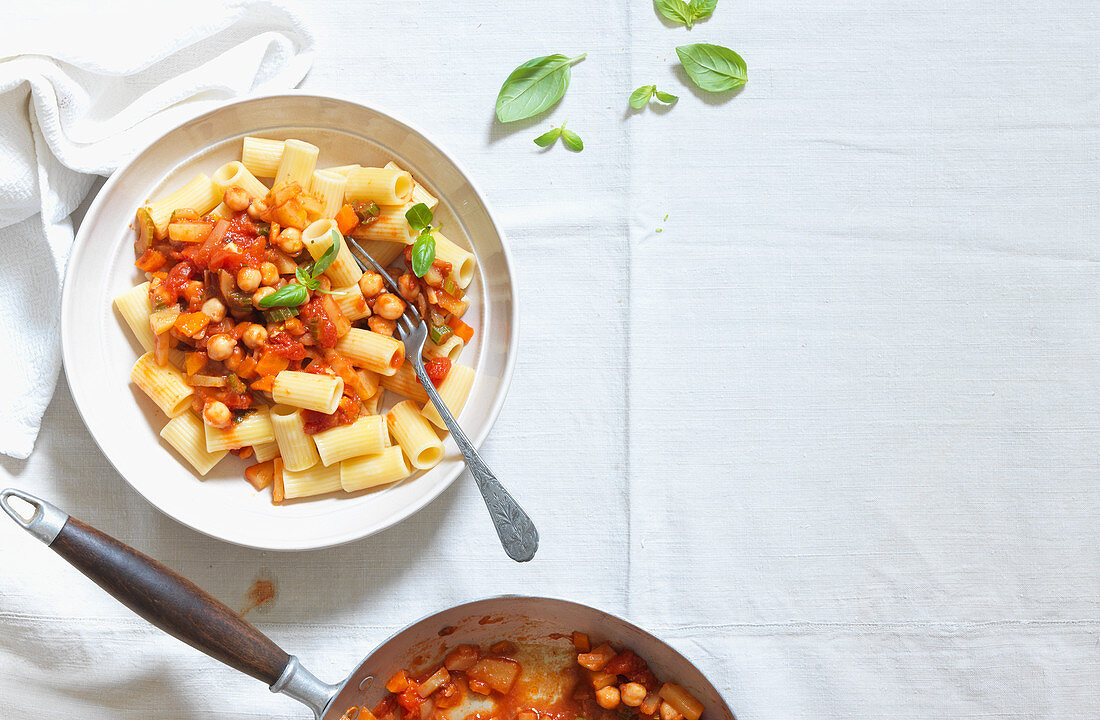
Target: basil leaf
[
  {"x": 712, "y": 67},
  {"x": 286, "y": 296},
  {"x": 674, "y": 10},
  {"x": 534, "y": 86},
  {"x": 423, "y": 254},
  {"x": 572, "y": 140},
  {"x": 419, "y": 216},
  {"x": 326, "y": 260},
  {"x": 641, "y": 96},
  {"x": 666, "y": 97},
  {"x": 700, "y": 10},
  {"x": 548, "y": 137}
]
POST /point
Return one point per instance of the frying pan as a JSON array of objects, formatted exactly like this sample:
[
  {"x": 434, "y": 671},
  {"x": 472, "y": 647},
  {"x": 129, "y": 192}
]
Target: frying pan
[{"x": 181, "y": 609}]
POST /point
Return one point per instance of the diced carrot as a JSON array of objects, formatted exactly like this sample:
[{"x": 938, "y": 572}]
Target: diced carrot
[
  {"x": 399, "y": 682},
  {"x": 151, "y": 261},
  {"x": 243, "y": 452},
  {"x": 461, "y": 329},
  {"x": 194, "y": 362},
  {"x": 597, "y": 659},
  {"x": 278, "y": 493},
  {"x": 580, "y": 641},
  {"x": 346, "y": 219},
  {"x": 247, "y": 369},
  {"x": 271, "y": 364},
  {"x": 261, "y": 474},
  {"x": 290, "y": 214},
  {"x": 265, "y": 384},
  {"x": 191, "y": 324}
]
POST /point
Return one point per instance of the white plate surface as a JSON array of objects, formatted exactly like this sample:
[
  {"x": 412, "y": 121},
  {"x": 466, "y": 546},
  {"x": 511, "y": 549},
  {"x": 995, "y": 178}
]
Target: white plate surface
[{"x": 99, "y": 352}]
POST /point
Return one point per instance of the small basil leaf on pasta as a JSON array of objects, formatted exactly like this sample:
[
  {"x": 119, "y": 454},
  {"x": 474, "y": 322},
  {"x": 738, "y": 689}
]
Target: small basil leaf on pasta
[
  {"x": 674, "y": 10},
  {"x": 664, "y": 97},
  {"x": 712, "y": 67},
  {"x": 572, "y": 140},
  {"x": 534, "y": 86},
  {"x": 419, "y": 216},
  {"x": 329, "y": 256},
  {"x": 548, "y": 137},
  {"x": 286, "y": 296},
  {"x": 640, "y": 97},
  {"x": 306, "y": 278},
  {"x": 423, "y": 253}
]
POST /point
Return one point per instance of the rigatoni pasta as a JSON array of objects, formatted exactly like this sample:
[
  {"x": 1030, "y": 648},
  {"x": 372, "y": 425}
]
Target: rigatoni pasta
[
  {"x": 453, "y": 391},
  {"x": 264, "y": 338}
]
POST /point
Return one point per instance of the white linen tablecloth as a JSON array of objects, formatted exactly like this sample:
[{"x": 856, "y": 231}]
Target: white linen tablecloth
[{"x": 832, "y": 433}]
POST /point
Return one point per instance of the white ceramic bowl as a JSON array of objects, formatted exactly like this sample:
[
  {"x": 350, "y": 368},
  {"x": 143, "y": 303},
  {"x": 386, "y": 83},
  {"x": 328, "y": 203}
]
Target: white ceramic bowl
[{"x": 99, "y": 351}]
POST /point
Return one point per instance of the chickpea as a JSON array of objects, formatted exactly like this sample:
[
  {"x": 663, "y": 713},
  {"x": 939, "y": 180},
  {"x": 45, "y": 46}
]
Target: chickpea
[
  {"x": 193, "y": 290},
  {"x": 257, "y": 208},
  {"x": 248, "y": 279},
  {"x": 608, "y": 697},
  {"x": 236, "y": 199},
  {"x": 388, "y": 306},
  {"x": 235, "y": 359},
  {"x": 670, "y": 713},
  {"x": 408, "y": 286},
  {"x": 294, "y": 326},
  {"x": 255, "y": 336},
  {"x": 434, "y": 277},
  {"x": 214, "y": 309},
  {"x": 269, "y": 274},
  {"x": 220, "y": 347},
  {"x": 381, "y": 325},
  {"x": 260, "y": 295},
  {"x": 632, "y": 694},
  {"x": 216, "y": 414},
  {"x": 290, "y": 241},
  {"x": 370, "y": 284}
]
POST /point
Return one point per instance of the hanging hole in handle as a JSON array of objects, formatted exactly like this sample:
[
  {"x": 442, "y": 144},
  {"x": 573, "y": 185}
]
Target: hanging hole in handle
[
  {"x": 352, "y": 713},
  {"x": 26, "y": 511},
  {"x": 364, "y": 681}
]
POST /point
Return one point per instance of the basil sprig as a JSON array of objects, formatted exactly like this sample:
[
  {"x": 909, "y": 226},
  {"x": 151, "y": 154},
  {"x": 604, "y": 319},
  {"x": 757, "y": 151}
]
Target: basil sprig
[
  {"x": 534, "y": 86},
  {"x": 420, "y": 218},
  {"x": 686, "y": 13},
  {"x": 571, "y": 139},
  {"x": 309, "y": 278},
  {"x": 640, "y": 97},
  {"x": 712, "y": 67}
]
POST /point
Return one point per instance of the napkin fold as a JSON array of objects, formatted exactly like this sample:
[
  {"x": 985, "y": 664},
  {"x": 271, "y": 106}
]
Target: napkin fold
[{"x": 81, "y": 89}]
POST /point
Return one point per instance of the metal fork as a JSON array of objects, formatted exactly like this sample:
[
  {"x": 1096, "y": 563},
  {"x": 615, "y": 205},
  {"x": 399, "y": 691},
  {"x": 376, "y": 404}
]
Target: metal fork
[{"x": 517, "y": 533}]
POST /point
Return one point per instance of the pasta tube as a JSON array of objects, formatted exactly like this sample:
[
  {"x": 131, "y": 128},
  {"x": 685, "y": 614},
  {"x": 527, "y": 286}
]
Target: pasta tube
[
  {"x": 261, "y": 156},
  {"x": 308, "y": 390},
  {"x": 450, "y": 348},
  {"x": 236, "y": 174},
  {"x": 389, "y": 225},
  {"x": 163, "y": 384},
  {"x": 453, "y": 391},
  {"x": 199, "y": 194},
  {"x": 266, "y": 451},
  {"x": 253, "y": 429},
  {"x": 297, "y": 163},
  {"x": 365, "y": 436},
  {"x": 419, "y": 194},
  {"x": 404, "y": 382},
  {"x": 351, "y": 302},
  {"x": 461, "y": 260},
  {"x": 415, "y": 435},
  {"x": 372, "y": 351},
  {"x": 384, "y": 252},
  {"x": 328, "y": 187},
  {"x": 185, "y": 433},
  {"x": 295, "y": 447},
  {"x": 379, "y": 185},
  {"x": 316, "y": 480},
  {"x": 370, "y": 470},
  {"x": 134, "y": 307},
  {"x": 317, "y": 238},
  {"x": 342, "y": 170}
]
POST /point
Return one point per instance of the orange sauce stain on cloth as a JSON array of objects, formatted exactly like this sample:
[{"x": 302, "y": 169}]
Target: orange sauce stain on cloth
[{"x": 259, "y": 594}]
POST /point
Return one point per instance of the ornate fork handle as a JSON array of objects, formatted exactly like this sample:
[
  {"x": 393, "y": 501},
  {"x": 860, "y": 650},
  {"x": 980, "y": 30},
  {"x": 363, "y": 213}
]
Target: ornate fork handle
[{"x": 517, "y": 533}]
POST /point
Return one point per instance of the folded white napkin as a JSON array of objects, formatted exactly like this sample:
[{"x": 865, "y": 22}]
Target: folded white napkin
[{"x": 81, "y": 88}]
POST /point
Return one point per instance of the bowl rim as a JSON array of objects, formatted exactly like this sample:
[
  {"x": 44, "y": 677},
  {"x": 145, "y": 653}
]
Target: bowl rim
[{"x": 80, "y": 243}]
